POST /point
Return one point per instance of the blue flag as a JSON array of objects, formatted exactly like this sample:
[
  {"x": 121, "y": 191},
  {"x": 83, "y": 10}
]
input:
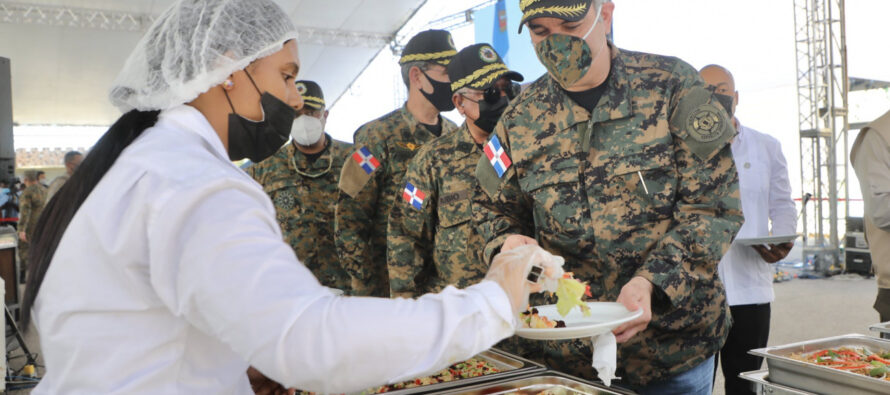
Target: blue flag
[{"x": 500, "y": 39}]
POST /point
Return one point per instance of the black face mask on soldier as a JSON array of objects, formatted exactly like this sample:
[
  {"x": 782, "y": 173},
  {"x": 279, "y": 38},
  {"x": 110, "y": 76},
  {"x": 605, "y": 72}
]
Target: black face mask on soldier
[
  {"x": 258, "y": 140},
  {"x": 441, "y": 96},
  {"x": 490, "y": 109},
  {"x": 726, "y": 102}
]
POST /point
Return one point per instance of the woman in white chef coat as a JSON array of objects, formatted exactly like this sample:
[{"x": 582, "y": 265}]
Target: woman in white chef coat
[{"x": 159, "y": 266}]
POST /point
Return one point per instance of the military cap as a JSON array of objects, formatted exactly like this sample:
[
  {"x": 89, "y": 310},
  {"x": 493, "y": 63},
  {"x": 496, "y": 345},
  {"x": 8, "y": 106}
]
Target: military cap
[
  {"x": 568, "y": 10},
  {"x": 312, "y": 94},
  {"x": 429, "y": 46},
  {"x": 478, "y": 66}
]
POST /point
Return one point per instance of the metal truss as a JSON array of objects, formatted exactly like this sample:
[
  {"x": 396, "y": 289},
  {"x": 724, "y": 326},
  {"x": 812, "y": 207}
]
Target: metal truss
[
  {"x": 822, "y": 89},
  {"x": 24, "y": 13}
]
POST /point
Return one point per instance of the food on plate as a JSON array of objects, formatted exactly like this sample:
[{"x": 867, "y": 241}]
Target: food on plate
[
  {"x": 532, "y": 319},
  {"x": 569, "y": 293},
  {"x": 473, "y": 367},
  {"x": 852, "y": 359}
]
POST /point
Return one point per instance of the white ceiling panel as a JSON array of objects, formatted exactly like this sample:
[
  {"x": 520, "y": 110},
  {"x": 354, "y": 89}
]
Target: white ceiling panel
[{"x": 63, "y": 64}]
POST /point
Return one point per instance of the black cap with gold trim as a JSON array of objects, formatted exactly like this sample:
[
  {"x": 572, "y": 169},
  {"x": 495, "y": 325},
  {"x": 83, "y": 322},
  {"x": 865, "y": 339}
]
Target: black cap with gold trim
[
  {"x": 312, "y": 94},
  {"x": 568, "y": 10},
  {"x": 478, "y": 66},
  {"x": 434, "y": 46}
]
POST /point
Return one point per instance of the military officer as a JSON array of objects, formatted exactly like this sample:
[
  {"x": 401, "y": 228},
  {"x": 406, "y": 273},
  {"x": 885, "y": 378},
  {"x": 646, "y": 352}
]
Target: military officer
[
  {"x": 372, "y": 176},
  {"x": 30, "y": 206},
  {"x": 620, "y": 162},
  {"x": 431, "y": 241},
  {"x": 301, "y": 178}
]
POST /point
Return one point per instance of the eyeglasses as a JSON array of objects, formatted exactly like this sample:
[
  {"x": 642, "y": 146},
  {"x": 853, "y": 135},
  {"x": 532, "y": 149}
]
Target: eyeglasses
[{"x": 492, "y": 94}]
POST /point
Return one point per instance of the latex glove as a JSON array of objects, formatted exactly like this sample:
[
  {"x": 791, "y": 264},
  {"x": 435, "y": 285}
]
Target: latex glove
[{"x": 510, "y": 269}]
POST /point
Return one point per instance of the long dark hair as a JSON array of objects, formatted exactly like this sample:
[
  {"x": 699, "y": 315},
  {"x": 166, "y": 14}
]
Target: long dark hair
[{"x": 64, "y": 204}]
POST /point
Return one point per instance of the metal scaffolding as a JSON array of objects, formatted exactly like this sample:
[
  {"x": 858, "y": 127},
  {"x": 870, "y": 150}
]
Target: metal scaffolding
[{"x": 822, "y": 88}]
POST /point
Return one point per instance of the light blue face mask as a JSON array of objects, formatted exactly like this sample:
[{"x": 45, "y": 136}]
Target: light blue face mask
[{"x": 4, "y": 191}]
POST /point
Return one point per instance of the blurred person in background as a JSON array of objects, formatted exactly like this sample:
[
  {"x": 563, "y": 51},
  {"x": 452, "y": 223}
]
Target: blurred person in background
[
  {"x": 72, "y": 161},
  {"x": 871, "y": 162},
  {"x": 30, "y": 206},
  {"x": 746, "y": 271},
  {"x": 301, "y": 179}
]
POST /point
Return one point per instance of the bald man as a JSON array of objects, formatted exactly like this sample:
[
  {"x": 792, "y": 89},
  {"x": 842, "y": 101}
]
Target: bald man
[{"x": 746, "y": 271}]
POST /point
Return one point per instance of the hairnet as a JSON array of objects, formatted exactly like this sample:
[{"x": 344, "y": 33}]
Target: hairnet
[{"x": 195, "y": 45}]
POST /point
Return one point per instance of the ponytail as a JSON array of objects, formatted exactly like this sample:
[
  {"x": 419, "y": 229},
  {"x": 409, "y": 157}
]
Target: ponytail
[{"x": 64, "y": 204}]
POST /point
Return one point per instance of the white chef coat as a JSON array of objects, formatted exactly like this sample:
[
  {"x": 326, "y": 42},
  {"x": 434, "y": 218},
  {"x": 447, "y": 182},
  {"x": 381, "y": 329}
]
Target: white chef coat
[
  {"x": 173, "y": 277},
  {"x": 766, "y": 196}
]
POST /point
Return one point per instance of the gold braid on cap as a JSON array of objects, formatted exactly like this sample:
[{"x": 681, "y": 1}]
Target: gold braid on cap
[
  {"x": 523, "y": 4},
  {"x": 419, "y": 57},
  {"x": 478, "y": 74},
  {"x": 314, "y": 100},
  {"x": 566, "y": 11}
]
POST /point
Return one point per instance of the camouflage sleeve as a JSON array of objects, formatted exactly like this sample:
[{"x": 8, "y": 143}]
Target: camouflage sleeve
[
  {"x": 26, "y": 210},
  {"x": 360, "y": 179},
  {"x": 502, "y": 209},
  {"x": 409, "y": 239},
  {"x": 707, "y": 213}
]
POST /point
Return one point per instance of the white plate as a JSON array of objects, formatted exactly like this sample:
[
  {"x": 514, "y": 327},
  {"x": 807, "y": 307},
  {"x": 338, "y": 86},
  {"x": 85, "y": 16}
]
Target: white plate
[
  {"x": 604, "y": 316},
  {"x": 767, "y": 240}
]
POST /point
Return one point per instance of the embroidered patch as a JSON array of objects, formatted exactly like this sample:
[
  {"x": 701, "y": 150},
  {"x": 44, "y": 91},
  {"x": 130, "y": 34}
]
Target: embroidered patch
[
  {"x": 497, "y": 156},
  {"x": 414, "y": 196},
  {"x": 487, "y": 54},
  {"x": 705, "y": 124},
  {"x": 364, "y": 159}
]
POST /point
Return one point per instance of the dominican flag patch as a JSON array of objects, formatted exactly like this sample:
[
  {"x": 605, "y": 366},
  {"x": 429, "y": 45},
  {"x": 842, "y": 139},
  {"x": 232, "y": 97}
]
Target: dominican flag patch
[
  {"x": 496, "y": 155},
  {"x": 365, "y": 160},
  {"x": 413, "y": 195}
]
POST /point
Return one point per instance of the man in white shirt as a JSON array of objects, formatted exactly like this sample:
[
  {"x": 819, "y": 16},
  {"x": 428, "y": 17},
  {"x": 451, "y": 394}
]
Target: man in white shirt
[{"x": 746, "y": 271}]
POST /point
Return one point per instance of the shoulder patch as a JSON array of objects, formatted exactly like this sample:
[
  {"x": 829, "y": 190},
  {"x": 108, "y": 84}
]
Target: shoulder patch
[
  {"x": 497, "y": 156},
  {"x": 487, "y": 177},
  {"x": 707, "y": 127},
  {"x": 357, "y": 171}
]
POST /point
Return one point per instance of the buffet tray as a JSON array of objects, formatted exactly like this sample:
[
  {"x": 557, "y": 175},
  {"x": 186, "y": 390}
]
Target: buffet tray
[
  {"x": 536, "y": 383},
  {"x": 785, "y": 371},
  {"x": 509, "y": 365},
  {"x": 760, "y": 379},
  {"x": 883, "y": 327}
]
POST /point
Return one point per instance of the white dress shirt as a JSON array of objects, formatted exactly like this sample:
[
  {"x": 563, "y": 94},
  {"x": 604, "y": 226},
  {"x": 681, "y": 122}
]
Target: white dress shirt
[
  {"x": 173, "y": 277},
  {"x": 766, "y": 196}
]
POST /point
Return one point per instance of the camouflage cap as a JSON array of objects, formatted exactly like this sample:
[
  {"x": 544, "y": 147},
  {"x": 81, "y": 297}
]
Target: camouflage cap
[
  {"x": 478, "y": 66},
  {"x": 568, "y": 10},
  {"x": 312, "y": 94},
  {"x": 435, "y": 46}
]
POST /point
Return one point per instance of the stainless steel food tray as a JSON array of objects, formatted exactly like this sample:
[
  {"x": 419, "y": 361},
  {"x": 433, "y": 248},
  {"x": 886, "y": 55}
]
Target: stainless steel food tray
[
  {"x": 510, "y": 366},
  {"x": 760, "y": 378},
  {"x": 534, "y": 384},
  {"x": 783, "y": 370},
  {"x": 883, "y": 327}
]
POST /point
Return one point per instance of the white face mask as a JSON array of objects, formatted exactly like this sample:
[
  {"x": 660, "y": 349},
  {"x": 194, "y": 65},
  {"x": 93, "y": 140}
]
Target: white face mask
[{"x": 306, "y": 130}]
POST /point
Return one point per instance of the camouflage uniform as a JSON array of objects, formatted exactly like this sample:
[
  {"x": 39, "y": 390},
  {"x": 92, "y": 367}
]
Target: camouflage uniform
[
  {"x": 304, "y": 205},
  {"x": 436, "y": 245},
  {"x": 645, "y": 185},
  {"x": 30, "y": 206},
  {"x": 367, "y": 194}
]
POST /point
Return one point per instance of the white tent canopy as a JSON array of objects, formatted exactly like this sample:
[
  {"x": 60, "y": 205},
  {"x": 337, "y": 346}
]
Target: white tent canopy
[{"x": 65, "y": 53}]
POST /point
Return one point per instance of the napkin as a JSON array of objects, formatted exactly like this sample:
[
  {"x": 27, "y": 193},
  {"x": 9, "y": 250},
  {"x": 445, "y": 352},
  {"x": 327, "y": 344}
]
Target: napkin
[{"x": 605, "y": 355}]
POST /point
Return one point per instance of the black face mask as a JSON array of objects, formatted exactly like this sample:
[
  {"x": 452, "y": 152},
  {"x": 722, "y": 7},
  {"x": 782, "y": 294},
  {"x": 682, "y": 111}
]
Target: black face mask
[
  {"x": 490, "y": 113},
  {"x": 441, "y": 96},
  {"x": 726, "y": 102},
  {"x": 258, "y": 140}
]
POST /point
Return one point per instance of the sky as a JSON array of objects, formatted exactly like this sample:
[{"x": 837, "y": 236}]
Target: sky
[{"x": 754, "y": 39}]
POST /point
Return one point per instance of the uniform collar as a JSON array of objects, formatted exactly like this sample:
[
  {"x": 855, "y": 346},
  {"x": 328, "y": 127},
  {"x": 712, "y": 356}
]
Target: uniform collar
[
  {"x": 302, "y": 160},
  {"x": 418, "y": 131},
  {"x": 464, "y": 143},
  {"x": 614, "y": 104}
]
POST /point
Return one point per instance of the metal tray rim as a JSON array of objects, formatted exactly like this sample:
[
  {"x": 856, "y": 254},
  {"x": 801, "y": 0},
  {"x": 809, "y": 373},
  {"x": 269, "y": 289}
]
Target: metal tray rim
[{"x": 782, "y": 364}]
